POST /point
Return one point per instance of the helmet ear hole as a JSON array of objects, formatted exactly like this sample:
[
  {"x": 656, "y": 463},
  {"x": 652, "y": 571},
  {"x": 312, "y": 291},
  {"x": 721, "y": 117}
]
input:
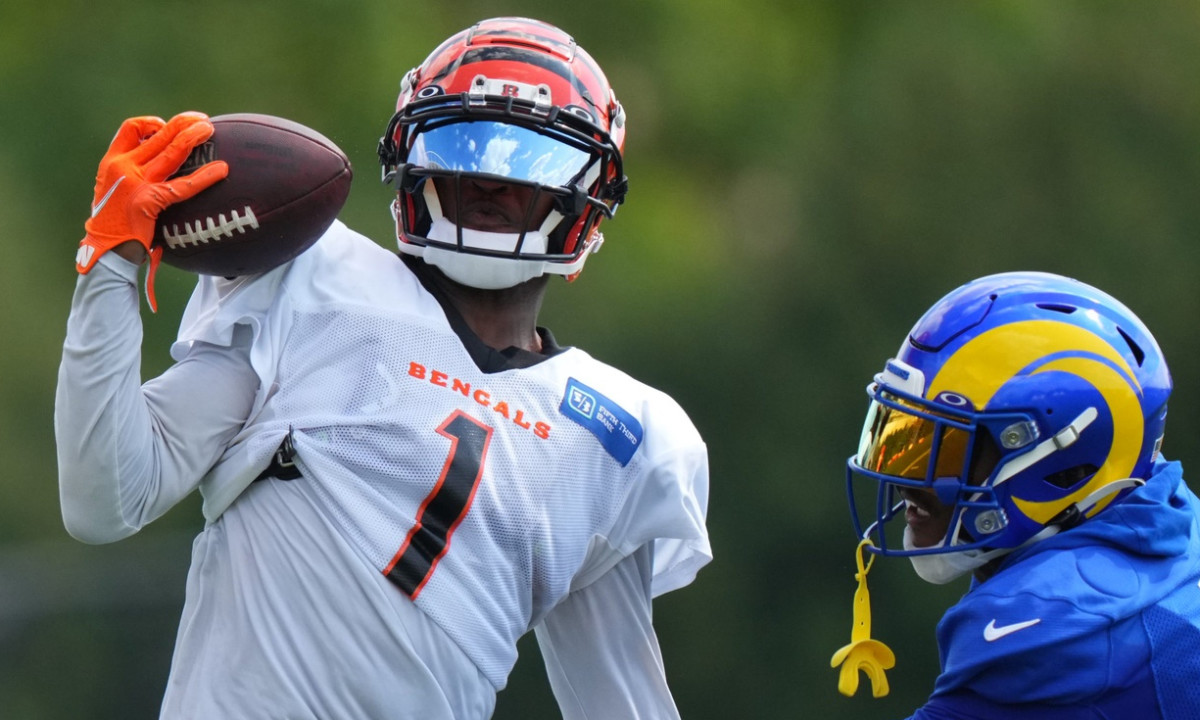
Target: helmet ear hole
[{"x": 1069, "y": 478}]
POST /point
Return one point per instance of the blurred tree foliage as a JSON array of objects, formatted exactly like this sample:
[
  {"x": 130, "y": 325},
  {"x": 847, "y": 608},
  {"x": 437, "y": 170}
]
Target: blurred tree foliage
[{"x": 807, "y": 177}]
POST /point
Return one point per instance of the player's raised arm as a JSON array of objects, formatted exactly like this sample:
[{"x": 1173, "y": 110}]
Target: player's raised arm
[{"x": 124, "y": 454}]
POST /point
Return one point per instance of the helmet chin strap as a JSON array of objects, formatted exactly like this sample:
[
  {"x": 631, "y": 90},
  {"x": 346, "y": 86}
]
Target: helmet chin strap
[
  {"x": 1062, "y": 439},
  {"x": 485, "y": 271},
  {"x": 1077, "y": 512},
  {"x": 941, "y": 568},
  {"x": 482, "y": 271}
]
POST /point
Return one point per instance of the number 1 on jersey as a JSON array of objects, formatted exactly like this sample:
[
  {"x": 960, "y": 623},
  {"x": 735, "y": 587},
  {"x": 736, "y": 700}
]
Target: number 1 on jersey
[{"x": 445, "y": 506}]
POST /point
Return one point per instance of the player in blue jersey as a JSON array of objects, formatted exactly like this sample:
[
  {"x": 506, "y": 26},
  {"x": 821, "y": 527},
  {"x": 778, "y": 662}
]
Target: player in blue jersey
[
  {"x": 1016, "y": 436},
  {"x": 402, "y": 473}
]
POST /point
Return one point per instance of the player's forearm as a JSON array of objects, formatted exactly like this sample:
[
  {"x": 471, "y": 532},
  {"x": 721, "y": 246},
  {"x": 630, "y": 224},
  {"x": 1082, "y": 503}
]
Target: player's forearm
[
  {"x": 102, "y": 426},
  {"x": 601, "y": 652}
]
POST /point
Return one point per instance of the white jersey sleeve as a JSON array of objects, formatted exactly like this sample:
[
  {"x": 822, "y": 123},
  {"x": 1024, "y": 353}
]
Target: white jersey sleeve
[
  {"x": 600, "y": 648},
  {"x": 127, "y": 453}
]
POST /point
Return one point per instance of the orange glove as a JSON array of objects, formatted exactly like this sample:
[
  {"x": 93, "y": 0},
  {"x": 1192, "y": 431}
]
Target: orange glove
[{"x": 132, "y": 186}]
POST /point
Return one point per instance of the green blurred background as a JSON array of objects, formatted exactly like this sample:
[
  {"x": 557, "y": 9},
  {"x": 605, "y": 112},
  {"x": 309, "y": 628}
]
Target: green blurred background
[{"x": 807, "y": 178}]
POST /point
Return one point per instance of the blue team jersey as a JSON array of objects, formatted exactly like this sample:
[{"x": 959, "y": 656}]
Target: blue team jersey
[{"x": 1100, "y": 622}]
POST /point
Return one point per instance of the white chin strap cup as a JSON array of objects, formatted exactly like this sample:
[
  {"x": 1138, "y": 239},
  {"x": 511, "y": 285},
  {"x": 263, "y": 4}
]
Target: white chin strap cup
[{"x": 486, "y": 272}]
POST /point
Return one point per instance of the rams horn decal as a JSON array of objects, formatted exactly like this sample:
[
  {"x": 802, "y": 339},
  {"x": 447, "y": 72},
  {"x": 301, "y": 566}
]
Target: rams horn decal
[{"x": 983, "y": 365}]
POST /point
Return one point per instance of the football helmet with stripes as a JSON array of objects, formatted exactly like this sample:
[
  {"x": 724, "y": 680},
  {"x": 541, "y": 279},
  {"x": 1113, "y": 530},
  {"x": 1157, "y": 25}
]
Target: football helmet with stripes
[
  {"x": 1020, "y": 405},
  {"x": 512, "y": 107}
]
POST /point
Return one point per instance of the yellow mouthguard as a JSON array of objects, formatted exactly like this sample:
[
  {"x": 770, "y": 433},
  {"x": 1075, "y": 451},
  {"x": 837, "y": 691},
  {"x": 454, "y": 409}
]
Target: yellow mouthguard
[{"x": 863, "y": 653}]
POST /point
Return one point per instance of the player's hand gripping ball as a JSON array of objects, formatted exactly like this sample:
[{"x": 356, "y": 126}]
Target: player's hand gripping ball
[
  {"x": 286, "y": 185},
  {"x": 138, "y": 178}
]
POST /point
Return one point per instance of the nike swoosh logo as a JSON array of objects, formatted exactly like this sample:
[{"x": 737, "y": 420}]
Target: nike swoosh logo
[
  {"x": 100, "y": 205},
  {"x": 991, "y": 633}
]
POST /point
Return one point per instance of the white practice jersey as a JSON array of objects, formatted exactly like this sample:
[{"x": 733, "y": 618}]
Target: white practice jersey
[{"x": 485, "y": 496}]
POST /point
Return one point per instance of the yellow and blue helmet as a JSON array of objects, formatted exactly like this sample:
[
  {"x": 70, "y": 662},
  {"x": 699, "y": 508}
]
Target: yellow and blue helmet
[{"x": 1026, "y": 402}]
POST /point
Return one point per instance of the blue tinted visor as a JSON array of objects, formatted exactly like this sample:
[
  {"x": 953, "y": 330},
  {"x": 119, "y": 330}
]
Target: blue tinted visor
[{"x": 497, "y": 148}]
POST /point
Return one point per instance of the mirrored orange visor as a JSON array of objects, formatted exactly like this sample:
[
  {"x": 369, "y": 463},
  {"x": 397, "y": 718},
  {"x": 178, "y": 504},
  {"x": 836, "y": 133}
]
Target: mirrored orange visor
[{"x": 898, "y": 439}]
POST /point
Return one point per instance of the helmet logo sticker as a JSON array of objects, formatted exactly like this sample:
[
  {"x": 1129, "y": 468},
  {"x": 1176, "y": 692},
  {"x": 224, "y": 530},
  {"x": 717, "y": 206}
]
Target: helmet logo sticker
[
  {"x": 581, "y": 112},
  {"x": 954, "y": 400}
]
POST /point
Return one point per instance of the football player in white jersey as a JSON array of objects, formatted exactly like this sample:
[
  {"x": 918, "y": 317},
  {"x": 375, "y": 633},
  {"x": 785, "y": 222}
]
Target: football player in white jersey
[{"x": 402, "y": 473}]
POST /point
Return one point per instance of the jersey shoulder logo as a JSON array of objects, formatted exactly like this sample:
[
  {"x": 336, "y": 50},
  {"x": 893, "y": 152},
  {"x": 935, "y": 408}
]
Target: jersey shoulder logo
[
  {"x": 991, "y": 633},
  {"x": 618, "y": 431}
]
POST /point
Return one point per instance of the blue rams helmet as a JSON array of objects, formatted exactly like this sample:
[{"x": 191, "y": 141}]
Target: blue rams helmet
[{"x": 1024, "y": 402}]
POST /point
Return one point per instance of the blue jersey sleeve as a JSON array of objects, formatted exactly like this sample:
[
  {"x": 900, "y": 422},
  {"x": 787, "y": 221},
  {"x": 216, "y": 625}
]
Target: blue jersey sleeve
[
  {"x": 1098, "y": 622},
  {"x": 1024, "y": 648},
  {"x": 1137, "y": 701},
  {"x": 1063, "y": 633}
]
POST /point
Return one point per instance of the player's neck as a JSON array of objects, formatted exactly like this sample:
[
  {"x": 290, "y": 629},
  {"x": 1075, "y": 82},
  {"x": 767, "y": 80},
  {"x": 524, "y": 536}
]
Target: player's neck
[{"x": 500, "y": 318}]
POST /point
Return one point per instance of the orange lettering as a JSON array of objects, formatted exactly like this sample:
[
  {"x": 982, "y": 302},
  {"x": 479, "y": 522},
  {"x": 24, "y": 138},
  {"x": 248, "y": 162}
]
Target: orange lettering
[{"x": 480, "y": 396}]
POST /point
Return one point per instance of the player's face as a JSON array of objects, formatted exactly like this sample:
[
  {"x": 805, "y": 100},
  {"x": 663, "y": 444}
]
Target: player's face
[
  {"x": 497, "y": 207},
  {"x": 928, "y": 517}
]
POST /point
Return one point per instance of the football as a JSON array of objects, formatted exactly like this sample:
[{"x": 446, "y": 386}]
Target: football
[{"x": 286, "y": 185}]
